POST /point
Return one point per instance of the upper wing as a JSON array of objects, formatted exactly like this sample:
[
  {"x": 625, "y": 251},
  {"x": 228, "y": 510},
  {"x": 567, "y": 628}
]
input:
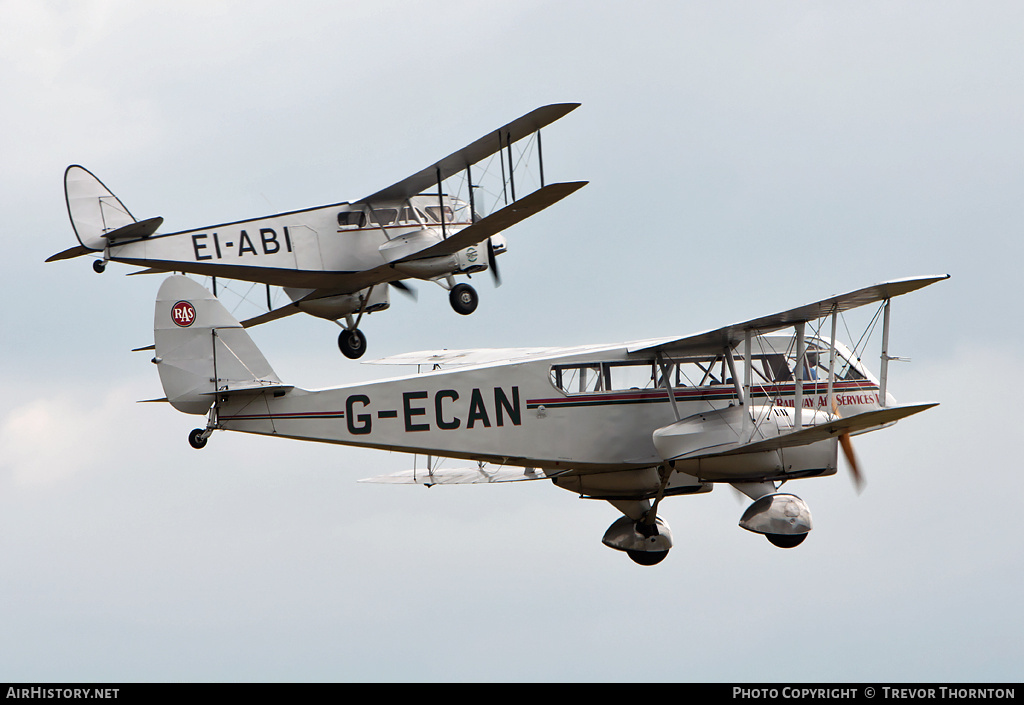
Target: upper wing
[
  {"x": 481, "y": 149},
  {"x": 730, "y": 336},
  {"x": 477, "y": 356},
  {"x": 500, "y": 220}
]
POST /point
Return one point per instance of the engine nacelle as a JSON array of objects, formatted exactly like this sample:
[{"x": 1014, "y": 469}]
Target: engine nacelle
[
  {"x": 776, "y": 515},
  {"x": 334, "y": 307},
  {"x": 645, "y": 544},
  {"x": 720, "y": 427},
  {"x": 466, "y": 261}
]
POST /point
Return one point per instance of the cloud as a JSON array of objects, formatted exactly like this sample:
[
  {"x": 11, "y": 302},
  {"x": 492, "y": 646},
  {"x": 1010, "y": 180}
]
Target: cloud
[{"x": 50, "y": 439}]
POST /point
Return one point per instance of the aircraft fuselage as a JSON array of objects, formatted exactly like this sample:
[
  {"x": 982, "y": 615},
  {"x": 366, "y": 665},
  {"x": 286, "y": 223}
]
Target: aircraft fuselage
[
  {"x": 543, "y": 413},
  {"x": 316, "y": 248}
]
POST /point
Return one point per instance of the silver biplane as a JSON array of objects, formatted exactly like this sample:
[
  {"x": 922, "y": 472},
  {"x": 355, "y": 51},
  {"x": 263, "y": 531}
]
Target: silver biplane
[
  {"x": 335, "y": 261},
  {"x": 753, "y": 405}
]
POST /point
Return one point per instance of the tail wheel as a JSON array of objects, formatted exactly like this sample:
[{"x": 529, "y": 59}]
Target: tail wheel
[
  {"x": 197, "y": 439},
  {"x": 352, "y": 343},
  {"x": 463, "y": 299}
]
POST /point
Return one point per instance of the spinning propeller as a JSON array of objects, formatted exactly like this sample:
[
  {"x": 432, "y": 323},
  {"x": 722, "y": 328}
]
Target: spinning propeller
[
  {"x": 492, "y": 263},
  {"x": 405, "y": 289},
  {"x": 847, "y": 446}
]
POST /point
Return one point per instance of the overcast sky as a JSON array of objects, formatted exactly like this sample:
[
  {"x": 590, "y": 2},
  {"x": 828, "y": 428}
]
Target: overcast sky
[{"x": 743, "y": 158}]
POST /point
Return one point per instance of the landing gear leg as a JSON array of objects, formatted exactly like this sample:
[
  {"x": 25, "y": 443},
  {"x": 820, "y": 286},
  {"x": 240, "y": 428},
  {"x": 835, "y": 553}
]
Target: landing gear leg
[
  {"x": 197, "y": 437},
  {"x": 351, "y": 341}
]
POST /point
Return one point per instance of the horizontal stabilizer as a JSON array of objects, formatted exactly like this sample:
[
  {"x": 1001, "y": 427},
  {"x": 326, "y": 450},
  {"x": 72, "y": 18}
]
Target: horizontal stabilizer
[
  {"x": 473, "y": 475},
  {"x": 251, "y": 386},
  {"x": 287, "y": 310},
  {"x": 500, "y": 220},
  {"x": 135, "y": 231},
  {"x": 814, "y": 434},
  {"x": 71, "y": 252}
]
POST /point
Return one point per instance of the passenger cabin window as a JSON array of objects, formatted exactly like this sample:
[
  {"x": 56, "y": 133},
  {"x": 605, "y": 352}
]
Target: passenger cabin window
[
  {"x": 604, "y": 377},
  {"x": 351, "y": 219},
  {"x": 767, "y": 369},
  {"x": 383, "y": 216},
  {"x": 412, "y": 215}
]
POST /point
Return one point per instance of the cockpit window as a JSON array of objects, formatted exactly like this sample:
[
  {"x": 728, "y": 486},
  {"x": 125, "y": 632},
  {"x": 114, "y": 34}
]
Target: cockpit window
[
  {"x": 435, "y": 213},
  {"x": 776, "y": 368},
  {"x": 782, "y": 367}
]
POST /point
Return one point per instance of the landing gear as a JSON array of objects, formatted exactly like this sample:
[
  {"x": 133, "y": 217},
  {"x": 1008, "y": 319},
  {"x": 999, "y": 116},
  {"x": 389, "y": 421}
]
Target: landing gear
[
  {"x": 197, "y": 438},
  {"x": 463, "y": 299},
  {"x": 352, "y": 343},
  {"x": 645, "y": 544},
  {"x": 783, "y": 518},
  {"x": 98, "y": 266},
  {"x": 786, "y": 541}
]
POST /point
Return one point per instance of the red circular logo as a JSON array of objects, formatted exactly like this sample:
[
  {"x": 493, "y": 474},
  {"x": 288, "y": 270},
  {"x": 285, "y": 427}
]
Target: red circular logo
[{"x": 183, "y": 313}]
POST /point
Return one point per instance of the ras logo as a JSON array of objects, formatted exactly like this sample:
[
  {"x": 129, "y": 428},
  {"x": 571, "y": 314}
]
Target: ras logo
[{"x": 183, "y": 313}]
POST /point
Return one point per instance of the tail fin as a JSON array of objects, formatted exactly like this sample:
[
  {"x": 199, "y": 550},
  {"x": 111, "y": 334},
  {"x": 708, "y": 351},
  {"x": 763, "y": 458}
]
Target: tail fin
[
  {"x": 201, "y": 349},
  {"x": 93, "y": 209}
]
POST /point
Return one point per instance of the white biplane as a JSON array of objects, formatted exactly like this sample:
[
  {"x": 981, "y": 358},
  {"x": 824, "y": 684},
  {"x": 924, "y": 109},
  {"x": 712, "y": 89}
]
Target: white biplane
[
  {"x": 751, "y": 404},
  {"x": 335, "y": 261}
]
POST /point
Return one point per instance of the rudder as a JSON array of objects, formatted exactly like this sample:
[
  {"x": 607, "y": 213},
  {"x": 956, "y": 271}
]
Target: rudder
[{"x": 93, "y": 209}]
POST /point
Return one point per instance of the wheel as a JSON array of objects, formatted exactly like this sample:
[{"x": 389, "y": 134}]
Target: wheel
[
  {"x": 98, "y": 266},
  {"x": 463, "y": 299},
  {"x": 196, "y": 439},
  {"x": 786, "y": 540},
  {"x": 352, "y": 343},
  {"x": 647, "y": 557}
]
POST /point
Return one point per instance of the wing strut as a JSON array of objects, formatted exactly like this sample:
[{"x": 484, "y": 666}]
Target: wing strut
[
  {"x": 511, "y": 167},
  {"x": 504, "y": 181},
  {"x": 472, "y": 201},
  {"x": 883, "y": 377},
  {"x": 801, "y": 352},
  {"x": 540, "y": 160},
  {"x": 440, "y": 203},
  {"x": 748, "y": 418},
  {"x": 667, "y": 378},
  {"x": 832, "y": 362}
]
